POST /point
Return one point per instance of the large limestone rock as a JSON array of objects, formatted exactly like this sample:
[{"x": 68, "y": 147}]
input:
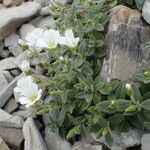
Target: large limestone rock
[
  {"x": 85, "y": 146},
  {"x": 6, "y": 93},
  {"x": 12, "y": 18},
  {"x": 3, "y": 81},
  {"x": 54, "y": 142},
  {"x": 7, "y": 120},
  {"x": 3, "y": 145},
  {"x": 122, "y": 140},
  {"x": 32, "y": 136},
  {"x": 8, "y": 3},
  {"x": 146, "y": 141},
  {"x": 146, "y": 11},
  {"x": 12, "y": 136},
  {"x": 127, "y": 32}
]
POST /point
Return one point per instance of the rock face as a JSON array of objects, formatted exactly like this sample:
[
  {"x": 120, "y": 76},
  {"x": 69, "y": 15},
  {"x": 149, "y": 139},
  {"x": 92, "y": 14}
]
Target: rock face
[
  {"x": 123, "y": 140},
  {"x": 33, "y": 139},
  {"x": 12, "y": 136},
  {"x": 12, "y": 2},
  {"x": 85, "y": 146},
  {"x": 54, "y": 142},
  {"x": 7, "y": 92},
  {"x": 12, "y": 18},
  {"x": 146, "y": 142},
  {"x": 126, "y": 34},
  {"x": 146, "y": 11},
  {"x": 3, "y": 145},
  {"x": 7, "y": 120}
]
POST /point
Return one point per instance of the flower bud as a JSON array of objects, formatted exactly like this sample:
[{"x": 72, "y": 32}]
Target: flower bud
[
  {"x": 22, "y": 44},
  {"x": 104, "y": 132},
  {"x": 112, "y": 105},
  {"x": 129, "y": 89},
  {"x": 131, "y": 108},
  {"x": 61, "y": 58},
  {"x": 25, "y": 66}
]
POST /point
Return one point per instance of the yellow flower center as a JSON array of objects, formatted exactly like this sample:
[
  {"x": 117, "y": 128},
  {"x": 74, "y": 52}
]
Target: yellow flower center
[
  {"x": 52, "y": 43},
  {"x": 33, "y": 97}
]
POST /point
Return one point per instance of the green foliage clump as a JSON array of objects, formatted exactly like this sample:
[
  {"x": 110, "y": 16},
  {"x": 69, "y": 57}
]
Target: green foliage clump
[
  {"x": 80, "y": 100},
  {"x": 132, "y": 3}
]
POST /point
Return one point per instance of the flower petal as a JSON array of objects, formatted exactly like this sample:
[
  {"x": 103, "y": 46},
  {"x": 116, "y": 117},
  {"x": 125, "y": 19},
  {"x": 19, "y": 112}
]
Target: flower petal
[
  {"x": 24, "y": 100},
  {"x": 69, "y": 34},
  {"x": 62, "y": 41}
]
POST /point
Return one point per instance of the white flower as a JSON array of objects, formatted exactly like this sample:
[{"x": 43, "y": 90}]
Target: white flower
[
  {"x": 50, "y": 39},
  {"x": 28, "y": 90},
  {"x": 69, "y": 39},
  {"x": 25, "y": 66},
  {"x": 21, "y": 43},
  {"x": 61, "y": 58},
  {"x": 128, "y": 86},
  {"x": 33, "y": 37}
]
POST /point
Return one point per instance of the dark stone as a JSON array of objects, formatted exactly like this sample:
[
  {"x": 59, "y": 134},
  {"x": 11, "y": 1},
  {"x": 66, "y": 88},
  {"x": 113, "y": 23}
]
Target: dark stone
[{"x": 125, "y": 41}]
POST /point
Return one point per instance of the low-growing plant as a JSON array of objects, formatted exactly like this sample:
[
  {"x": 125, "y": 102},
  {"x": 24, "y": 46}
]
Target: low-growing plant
[
  {"x": 79, "y": 99},
  {"x": 132, "y": 3}
]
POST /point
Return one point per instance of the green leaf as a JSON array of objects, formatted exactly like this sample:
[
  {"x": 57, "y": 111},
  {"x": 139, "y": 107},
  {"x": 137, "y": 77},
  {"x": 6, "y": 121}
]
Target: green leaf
[
  {"x": 146, "y": 96},
  {"x": 109, "y": 140},
  {"x": 147, "y": 125},
  {"x": 116, "y": 119},
  {"x": 121, "y": 91},
  {"x": 122, "y": 104},
  {"x": 104, "y": 107},
  {"x": 139, "y": 4},
  {"x": 102, "y": 122},
  {"x": 87, "y": 96},
  {"x": 98, "y": 83},
  {"x": 99, "y": 27},
  {"x": 43, "y": 111},
  {"x": 136, "y": 93},
  {"x": 146, "y": 105},
  {"x": 73, "y": 132}
]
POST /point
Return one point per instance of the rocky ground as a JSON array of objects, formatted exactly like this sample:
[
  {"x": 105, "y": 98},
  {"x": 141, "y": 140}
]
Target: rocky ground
[{"x": 20, "y": 129}]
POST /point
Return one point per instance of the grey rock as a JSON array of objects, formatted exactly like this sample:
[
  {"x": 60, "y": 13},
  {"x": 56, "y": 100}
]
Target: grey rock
[
  {"x": 7, "y": 92},
  {"x": 12, "y": 18},
  {"x": 123, "y": 140},
  {"x": 43, "y": 2},
  {"x": 54, "y": 142},
  {"x": 25, "y": 29},
  {"x": 15, "y": 50},
  {"x": 3, "y": 145},
  {"x": 11, "y": 106},
  {"x": 8, "y": 63},
  {"x": 11, "y": 40},
  {"x": 9, "y": 3},
  {"x": 15, "y": 72},
  {"x": 5, "y": 53},
  {"x": 63, "y": 3},
  {"x": 126, "y": 34},
  {"x": 85, "y": 146},
  {"x": 3, "y": 81},
  {"x": 12, "y": 136},
  {"x": 1, "y": 46},
  {"x": 146, "y": 141},
  {"x": 32, "y": 136},
  {"x": 29, "y": 112},
  {"x": 8, "y": 76},
  {"x": 45, "y": 11},
  {"x": 7, "y": 120},
  {"x": 43, "y": 22},
  {"x": 146, "y": 11}
]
